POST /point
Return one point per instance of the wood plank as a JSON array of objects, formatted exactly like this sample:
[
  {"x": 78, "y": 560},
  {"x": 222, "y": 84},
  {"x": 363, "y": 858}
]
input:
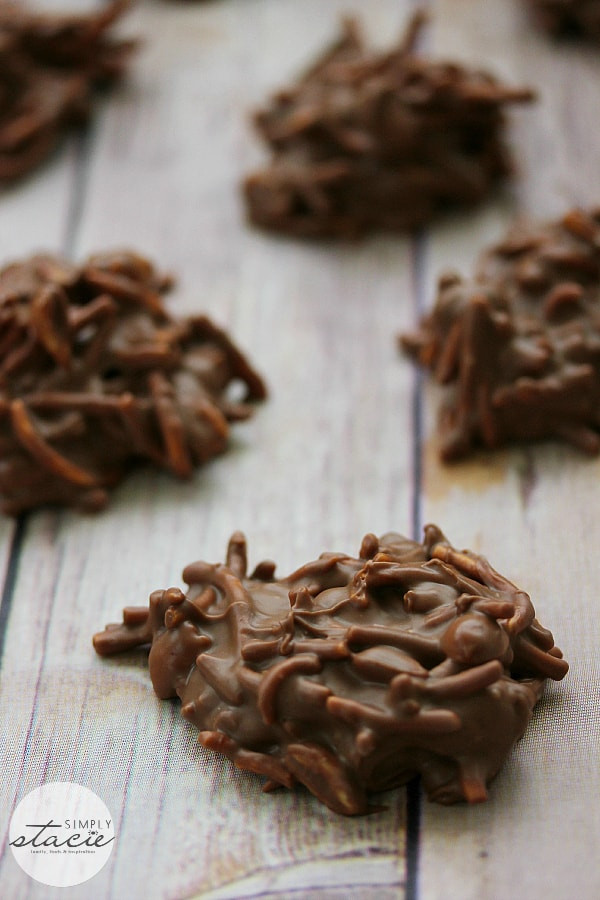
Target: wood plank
[
  {"x": 531, "y": 511},
  {"x": 196, "y": 822},
  {"x": 327, "y": 458},
  {"x": 35, "y": 216},
  {"x": 38, "y": 215}
]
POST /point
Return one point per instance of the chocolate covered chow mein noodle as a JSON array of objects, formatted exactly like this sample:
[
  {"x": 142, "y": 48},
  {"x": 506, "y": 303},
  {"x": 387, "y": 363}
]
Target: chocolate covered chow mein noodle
[
  {"x": 378, "y": 140},
  {"x": 50, "y": 66},
  {"x": 518, "y": 345},
  {"x": 351, "y": 675},
  {"x": 96, "y": 375}
]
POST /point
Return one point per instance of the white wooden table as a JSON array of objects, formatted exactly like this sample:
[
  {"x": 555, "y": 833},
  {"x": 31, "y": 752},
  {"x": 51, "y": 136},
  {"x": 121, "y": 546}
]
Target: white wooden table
[{"x": 344, "y": 445}]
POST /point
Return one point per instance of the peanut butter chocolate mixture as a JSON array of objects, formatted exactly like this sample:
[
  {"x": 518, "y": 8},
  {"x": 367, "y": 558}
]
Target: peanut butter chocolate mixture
[
  {"x": 570, "y": 18},
  {"x": 351, "y": 675},
  {"x": 96, "y": 375},
  {"x": 50, "y": 66},
  {"x": 368, "y": 140},
  {"x": 518, "y": 345}
]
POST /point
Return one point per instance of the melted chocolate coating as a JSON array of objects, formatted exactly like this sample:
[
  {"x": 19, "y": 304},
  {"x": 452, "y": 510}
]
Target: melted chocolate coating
[
  {"x": 95, "y": 375},
  {"x": 351, "y": 675},
  {"x": 50, "y": 66},
  {"x": 519, "y": 345},
  {"x": 370, "y": 140},
  {"x": 569, "y": 18}
]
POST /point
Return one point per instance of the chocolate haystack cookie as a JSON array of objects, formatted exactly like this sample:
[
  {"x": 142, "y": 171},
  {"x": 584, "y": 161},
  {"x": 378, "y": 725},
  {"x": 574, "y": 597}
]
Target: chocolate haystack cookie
[
  {"x": 568, "y": 18},
  {"x": 96, "y": 375},
  {"x": 519, "y": 345},
  {"x": 351, "y": 675},
  {"x": 50, "y": 66},
  {"x": 370, "y": 140}
]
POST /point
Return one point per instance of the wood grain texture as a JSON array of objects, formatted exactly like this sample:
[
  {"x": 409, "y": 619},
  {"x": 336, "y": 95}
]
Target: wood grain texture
[
  {"x": 339, "y": 449},
  {"x": 327, "y": 458},
  {"x": 35, "y": 216},
  {"x": 532, "y": 511}
]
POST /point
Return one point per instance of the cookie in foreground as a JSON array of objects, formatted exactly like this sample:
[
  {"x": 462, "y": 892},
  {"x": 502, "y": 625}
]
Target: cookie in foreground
[
  {"x": 370, "y": 140},
  {"x": 96, "y": 376},
  {"x": 351, "y": 675},
  {"x": 517, "y": 346}
]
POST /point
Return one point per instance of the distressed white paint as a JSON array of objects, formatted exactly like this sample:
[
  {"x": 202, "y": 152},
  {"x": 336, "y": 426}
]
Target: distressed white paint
[
  {"x": 534, "y": 513},
  {"x": 328, "y": 457}
]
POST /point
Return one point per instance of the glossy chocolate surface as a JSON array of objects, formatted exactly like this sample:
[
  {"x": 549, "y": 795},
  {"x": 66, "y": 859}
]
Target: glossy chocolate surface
[
  {"x": 351, "y": 675},
  {"x": 518, "y": 345}
]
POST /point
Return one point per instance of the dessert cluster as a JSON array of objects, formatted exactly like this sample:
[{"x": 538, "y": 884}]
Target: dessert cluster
[
  {"x": 96, "y": 375},
  {"x": 369, "y": 140},
  {"x": 50, "y": 67},
  {"x": 351, "y": 675},
  {"x": 518, "y": 345}
]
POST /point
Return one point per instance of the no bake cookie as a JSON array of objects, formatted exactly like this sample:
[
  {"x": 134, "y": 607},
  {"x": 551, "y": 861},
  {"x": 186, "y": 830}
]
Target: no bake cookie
[
  {"x": 351, "y": 675},
  {"x": 50, "y": 66},
  {"x": 378, "y": 140},
  {"x": 518, "y": 345},
  {"x": 96, "y": 375}
]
